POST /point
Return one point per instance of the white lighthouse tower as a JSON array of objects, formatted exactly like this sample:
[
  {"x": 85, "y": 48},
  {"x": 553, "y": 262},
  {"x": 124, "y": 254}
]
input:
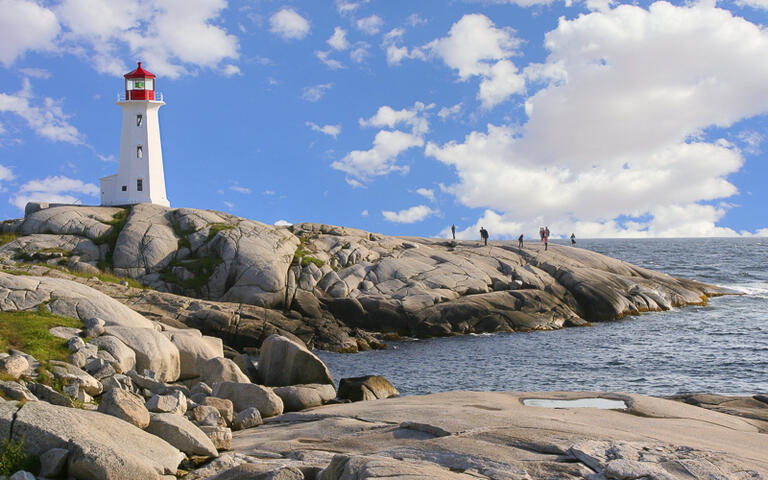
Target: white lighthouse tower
[{"x": 140, "y": 177}]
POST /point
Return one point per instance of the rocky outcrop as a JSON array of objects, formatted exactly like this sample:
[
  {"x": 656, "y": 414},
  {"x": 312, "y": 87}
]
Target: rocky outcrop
[
  {"x": 100, "y": 446},
  {"x": 328, "y": 285},
  {"x": 370, "y": 387},
  {"x": 484, "y": 435}
]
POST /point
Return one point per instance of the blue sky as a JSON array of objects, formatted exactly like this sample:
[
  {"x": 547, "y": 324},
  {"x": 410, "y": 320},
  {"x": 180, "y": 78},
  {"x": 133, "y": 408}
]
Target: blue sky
[{"x": 403, "y": 117}]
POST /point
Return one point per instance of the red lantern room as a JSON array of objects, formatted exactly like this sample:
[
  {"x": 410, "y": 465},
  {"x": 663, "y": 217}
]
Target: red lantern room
[{"x": 139, "y": 85}]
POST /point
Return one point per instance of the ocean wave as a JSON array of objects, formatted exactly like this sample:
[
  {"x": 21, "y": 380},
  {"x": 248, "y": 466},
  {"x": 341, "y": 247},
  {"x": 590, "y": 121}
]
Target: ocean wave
[{"x": 759, "y": 290}]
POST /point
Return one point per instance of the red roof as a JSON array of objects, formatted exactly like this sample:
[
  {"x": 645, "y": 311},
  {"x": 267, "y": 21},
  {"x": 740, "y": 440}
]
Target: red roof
[{"x": 139, "y": 73}]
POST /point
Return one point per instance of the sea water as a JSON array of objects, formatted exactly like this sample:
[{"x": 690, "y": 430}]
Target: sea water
[{"x": 718, "y": 348}]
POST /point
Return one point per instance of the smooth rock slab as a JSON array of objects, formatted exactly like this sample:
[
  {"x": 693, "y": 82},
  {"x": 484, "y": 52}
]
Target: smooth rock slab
[
  {"x": 217, "y": 370},
  {"x": 101, "y": 447},
  {"x": 125, "y": 358},
  {"x": 53, "y": 463},
  {"x": 195, "y": 350},
  {"x": 182, "y": 434}
]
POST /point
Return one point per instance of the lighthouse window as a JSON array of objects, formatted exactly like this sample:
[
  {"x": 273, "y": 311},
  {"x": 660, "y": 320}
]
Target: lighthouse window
[
  {"x": 139, "y": 118},
  {"x": 138, "y": 84},
  {"x": 139, "y": 185},
  {"x": 125, "y": 188},
  {"x": 139, "y": 151},
  {"x": 149, "y": 84}
]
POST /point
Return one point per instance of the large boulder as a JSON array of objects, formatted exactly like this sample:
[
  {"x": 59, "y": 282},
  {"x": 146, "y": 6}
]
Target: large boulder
[
  {"x": 195, "y": 350},
  {"x": 101, "y": 447},
  {"x": 14, "y": 365},
  {"x": 370, "y": 387},
  {"x": 125, "y": 358},
  {"x": 153, "y": 351},
  {"x": 147, "y": 242},
  {"x": 87, "y": 222},
  {"x": 301, "y": 397},
  {"x": 65, "y": 298},
  {"x": 125, "y": 406},
  {"x": 70, "y": 373},
  {"x": 182, "y": 434},
  {"x": 283, "y": 362},
  {"x": 217, "y": 370},
  {"x": 245, "y": 395}
]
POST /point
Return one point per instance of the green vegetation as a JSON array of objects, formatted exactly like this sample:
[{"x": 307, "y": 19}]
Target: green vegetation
[
  {"x": 8, "y": 237},
  {"x": 201, "y": 267},
  {"x": 103, "y": 276},
  {"x": 29, "y": 332},
  {"x": 215, "y": 228},
  {"x": 306, "y": 260},
  {"x": 110, "y": 237},
  {"x": 183, "y": 234},
  {"x": 43, "y": 255},
  {"x": 13, "y": 458}
]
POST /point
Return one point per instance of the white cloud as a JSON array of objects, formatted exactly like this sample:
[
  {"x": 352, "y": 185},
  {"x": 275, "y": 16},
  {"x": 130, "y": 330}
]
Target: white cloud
[
  {"x": 370, "y": 25},
  {"x": 315, "y": 92},
  {"x": 169, "y": 36},
  {"x": 24, "y": 26},
  {"x": 323, "y": 56},
  {"x": 502, "y": 82},
  {"x": 331, "y": 130},
  {"x": 427, "y": 193},
  {"x": 608, "y": 138},
  {"x": 282, "y": 223},
  {"x": 53, "y": 190},
  {"x": 474, "y": 44},
  {"x": 44, "y": 116},
  {"x": 345, "y": 7},
  {"x": 414, "y": 20},
  {"x": 757, "y": 4},
  {"x": 36, "y": 73},
  {"x": 380, "y": 159},
  {"x": 359, "y": 53},
  {"x": 449, "y": 112},
  {"x": 410, "y": 215},
  {"x": 752, "y": 141},
  {"x": 414, "y": 117},
  {"x": 395, "y": 54},
  {"x": 238, "y": 189},
  {"x": 268, "y": 192},
  {"x": 6, "y": 174},
  {"x": 231, "y": 70},
  {"x": 364, "y": 213},
  {"x": 229, "y": 205},
  {"x": 289, "y": 25},
  {"x": 338, "y": 40}
]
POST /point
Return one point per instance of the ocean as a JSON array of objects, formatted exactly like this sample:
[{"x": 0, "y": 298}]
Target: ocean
[{"x": 719, "y": 348}]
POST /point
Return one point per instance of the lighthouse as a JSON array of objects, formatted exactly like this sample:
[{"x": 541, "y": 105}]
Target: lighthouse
[{"x": 139, "y": 177}]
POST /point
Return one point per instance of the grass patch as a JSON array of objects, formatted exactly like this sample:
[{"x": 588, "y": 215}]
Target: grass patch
[
  {"x": 110, "y": 236},
  {"x": 8, "y": 237},
  {"x": 215, "y": 228},
  {"x": 103, "y": 276},
  {"x": 13, "y": 458},
  {"x": 202, "y": 268},
  {"x": 28, "y": 332},
  {"x": 182, "y": 234},
  {"x": 306, "y": 260}
]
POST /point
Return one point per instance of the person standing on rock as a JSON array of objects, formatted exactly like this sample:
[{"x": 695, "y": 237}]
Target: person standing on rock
[
  {"x": 484, "y": 235},
  {"x": 520, "y": 241},
  {"x": 546, "y": 239},
  {"x": 453, "y": 231},
  {"x": 573, "y": 240}
]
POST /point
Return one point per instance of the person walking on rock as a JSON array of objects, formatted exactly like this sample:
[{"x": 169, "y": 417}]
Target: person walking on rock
[
  {"x": 520, "y": 241},
  {"x": 573, "y": 240},
  {"x": 453, "y": 231}
]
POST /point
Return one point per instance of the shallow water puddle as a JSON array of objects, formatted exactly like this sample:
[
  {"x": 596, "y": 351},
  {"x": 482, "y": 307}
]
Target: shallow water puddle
[{"x": 602, "y": 403}]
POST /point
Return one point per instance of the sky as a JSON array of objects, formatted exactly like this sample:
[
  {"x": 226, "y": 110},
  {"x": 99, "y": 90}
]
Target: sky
[{"x": 592, "y": 117}]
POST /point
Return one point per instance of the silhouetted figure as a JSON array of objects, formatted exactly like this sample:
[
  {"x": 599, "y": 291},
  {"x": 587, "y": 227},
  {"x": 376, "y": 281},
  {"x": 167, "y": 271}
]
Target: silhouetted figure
[
  {"x": 573, "y": 240},
  {"x": 484, "y": 235},
  {"x": 546, "y": 238},
  {"x": 520, "y": 241},
  {"x": 453, "y": 231}
]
